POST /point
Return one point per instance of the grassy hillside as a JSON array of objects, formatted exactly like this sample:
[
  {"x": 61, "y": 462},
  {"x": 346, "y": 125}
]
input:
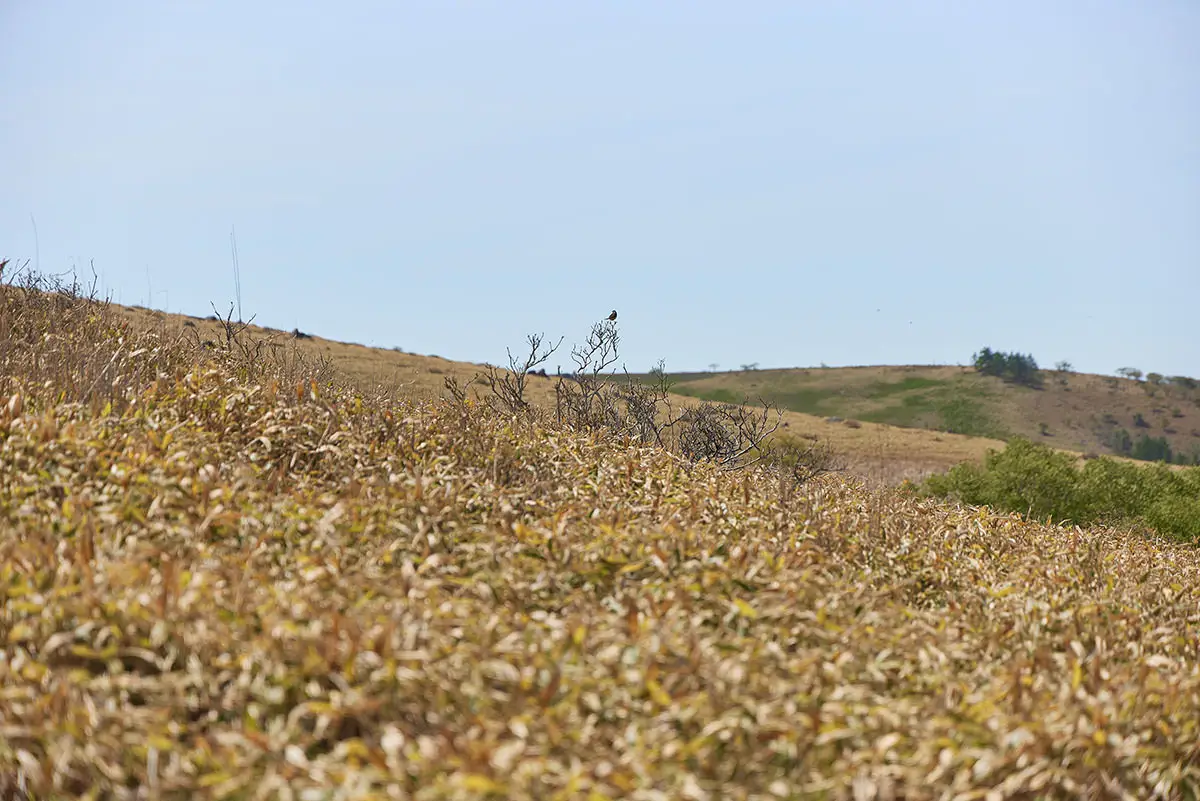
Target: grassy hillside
[
  {"x": 876, "y": 451},
  {"x": 1073, "y": 411},
  {"x": 224, "y": 576},
  {"x": 896, "y": 423}
]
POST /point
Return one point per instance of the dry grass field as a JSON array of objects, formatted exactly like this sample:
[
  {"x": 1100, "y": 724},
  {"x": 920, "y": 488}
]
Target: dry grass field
[
  {"x": 890, "y": 414},
  {"x": 238, "y": 578},
  {"x": 877, "y": 452}
]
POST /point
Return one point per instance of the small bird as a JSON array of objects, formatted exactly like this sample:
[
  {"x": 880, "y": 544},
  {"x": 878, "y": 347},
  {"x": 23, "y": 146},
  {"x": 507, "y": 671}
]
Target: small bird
[{"x": 613, "y": 316}]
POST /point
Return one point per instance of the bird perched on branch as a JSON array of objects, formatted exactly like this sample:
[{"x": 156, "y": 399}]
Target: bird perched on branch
[{"x": 613, "y": 316}]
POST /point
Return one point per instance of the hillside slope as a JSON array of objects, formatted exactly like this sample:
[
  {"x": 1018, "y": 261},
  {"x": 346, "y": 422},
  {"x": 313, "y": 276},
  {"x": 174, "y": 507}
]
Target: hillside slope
[
  {"x": 887, "y": 423},
  {"x": 1073, "y": 411},
  {"x": 225, "y": 577},
  {"x": 879, "y": 452}
]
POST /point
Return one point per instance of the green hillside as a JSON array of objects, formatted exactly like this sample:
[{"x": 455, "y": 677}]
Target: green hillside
[{"x": 1073, "y": 411}]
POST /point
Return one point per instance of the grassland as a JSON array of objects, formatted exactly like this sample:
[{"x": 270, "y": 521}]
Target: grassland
[
  {"x": 878, "y": 452},
  {"x": 1073, "y": 411},
  {"x": 229, "y": 576}
]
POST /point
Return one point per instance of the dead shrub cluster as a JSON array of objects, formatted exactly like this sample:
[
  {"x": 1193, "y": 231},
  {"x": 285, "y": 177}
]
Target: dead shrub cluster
[
  {"x": 227, "y": 588},
  {"x": 594, "y": 399}
]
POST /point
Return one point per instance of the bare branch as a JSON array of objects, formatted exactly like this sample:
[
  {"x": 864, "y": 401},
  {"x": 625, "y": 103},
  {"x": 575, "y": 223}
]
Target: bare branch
[
  {"x": 457, "y": 393},
  {"x": 508, "y": 386},
  {"x": 726, "y": 433}
]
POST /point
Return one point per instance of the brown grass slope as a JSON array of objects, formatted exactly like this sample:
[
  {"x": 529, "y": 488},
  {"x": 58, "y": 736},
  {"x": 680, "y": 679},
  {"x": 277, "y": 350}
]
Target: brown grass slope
[
  {"x": 880, "y": 453},
  {"x": 223, "y": 578},
  {"x": 1075, "y": 412}
]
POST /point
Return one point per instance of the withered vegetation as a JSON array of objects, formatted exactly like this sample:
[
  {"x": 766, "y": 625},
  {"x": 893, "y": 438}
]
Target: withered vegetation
[
  {"x": 224, "y": 575},
  {"x": 589, "y": 400}
]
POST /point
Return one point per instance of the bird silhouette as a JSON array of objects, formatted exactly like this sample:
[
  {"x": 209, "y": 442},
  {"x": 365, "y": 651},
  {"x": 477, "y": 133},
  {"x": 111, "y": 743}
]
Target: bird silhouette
[{"x": 613, "y": 316}]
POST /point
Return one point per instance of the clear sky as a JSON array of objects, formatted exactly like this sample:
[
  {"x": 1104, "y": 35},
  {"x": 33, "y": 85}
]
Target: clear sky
[{"x": 787, "y": 183}]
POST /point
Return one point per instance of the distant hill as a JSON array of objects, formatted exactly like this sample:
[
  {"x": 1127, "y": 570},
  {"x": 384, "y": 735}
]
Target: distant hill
[{"x": 1071, "y": 411}]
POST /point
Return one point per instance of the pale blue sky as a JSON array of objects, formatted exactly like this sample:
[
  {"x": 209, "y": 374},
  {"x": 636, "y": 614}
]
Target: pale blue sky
[{"x": 786, "y": 183}]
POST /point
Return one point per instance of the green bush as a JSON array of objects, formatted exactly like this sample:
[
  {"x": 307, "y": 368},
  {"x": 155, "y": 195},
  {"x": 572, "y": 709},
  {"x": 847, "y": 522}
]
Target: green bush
[
  {"x": 1176, "y": 515},
  {"x": 1023, "y": 477},
  {"x": 1152, "y": 449},
  {"x": 1033, "y": 479},
  {"x": 1113, "y": 491}
]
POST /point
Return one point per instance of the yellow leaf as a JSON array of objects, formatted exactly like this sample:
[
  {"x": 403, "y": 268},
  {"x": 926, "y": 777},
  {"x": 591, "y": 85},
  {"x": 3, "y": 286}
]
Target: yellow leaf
[
  {"x": 212, "y": 779},
  {"x": 569, "y": 790},
  {"x": 481, "y": 784},
  {"x": 160, "y": 742},
  {"x": 356, "y": 748},
  {"x": 745, "y": 609},
  {"x": 1076, "y": 676},
  {"x": 622, "y": 781},
  {"x": 34, "y": 672},
  {"x": 1098, "y": 737},
  {"x": 657, "y": 693},
  {"x": 20, "y": 633}
]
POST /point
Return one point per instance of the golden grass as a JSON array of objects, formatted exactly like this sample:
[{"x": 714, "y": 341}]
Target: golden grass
[
  {"x": 223, "y": 586},
  {"x": 878, "y": 453}
]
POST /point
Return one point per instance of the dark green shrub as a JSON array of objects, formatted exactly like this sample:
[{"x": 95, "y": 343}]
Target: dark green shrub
[
  {"x": 1019, "y": 368},
  {"x": 1151, "y": 449},
  {"x": 1033, "y": 479},
  {"x": 1121, "y": 442}
]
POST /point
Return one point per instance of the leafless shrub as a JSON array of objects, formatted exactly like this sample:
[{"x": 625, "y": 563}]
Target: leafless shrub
[
  {"x": 232, "y": 330},
  {"x": 593, "y": 398},
  {"x": 508, "y": 386},
  {"x": 730, "y": 435},
  {"x": 648, "y": 411},
  {"x": 586, "y": 399},
  {"x": 458, "y": 394},
  {"x": 798, "y": 462},
  {"x": 259, "y": 358}
]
